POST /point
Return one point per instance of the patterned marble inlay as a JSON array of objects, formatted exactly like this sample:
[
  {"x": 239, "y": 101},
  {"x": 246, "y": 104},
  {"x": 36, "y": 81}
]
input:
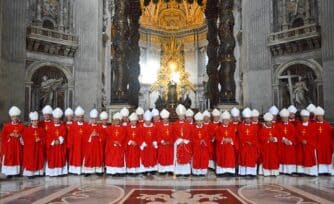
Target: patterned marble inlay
[
  {"x": 272, "y": 194},
  {"x": 160, "y": 189},
  {"x": 191, "y": 196},
  {"x": 91, "y": 194}
]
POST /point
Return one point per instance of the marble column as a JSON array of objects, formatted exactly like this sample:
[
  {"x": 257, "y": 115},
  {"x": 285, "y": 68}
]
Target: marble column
[
  {"x": 285, "y": 25},
  {"x": 211, "y": 14},
  {"x": 61, "y": 16},
  {"x": 307, "y": 12},
  {"x": 327, "y": 49},
  {"x": 38, "y": 20}
]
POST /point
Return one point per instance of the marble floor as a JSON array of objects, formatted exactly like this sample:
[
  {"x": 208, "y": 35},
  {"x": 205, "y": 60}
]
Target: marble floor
[{"x": 157, "y": 189}]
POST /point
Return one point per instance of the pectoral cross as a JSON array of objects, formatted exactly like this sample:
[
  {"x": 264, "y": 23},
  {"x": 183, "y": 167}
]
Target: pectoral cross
[
  {"x": 270, "y": 134},
  {"x": 200, "y": 135},
  {"x": 133, "y": 134},
  {"x": 247, "y": 132},
  {"x": 167, "y": 132},
  {"x": 226, "y": 133},
  {"x": 285, "y": 131},
  {"x": 80, "y": 131},
  {"x": 303, "y": 132},
  {"x": 46, "y": 128},
  {"x": 116, "y": 133},
  {"x": 149, "y": 133},
  {"x": 35, "y": 134},
  {"x": 15, "y": 131},
  {"x": 320, "y": 129},
  {"x": 181, "y": 132},
  {"x": 57, "y": 132}
]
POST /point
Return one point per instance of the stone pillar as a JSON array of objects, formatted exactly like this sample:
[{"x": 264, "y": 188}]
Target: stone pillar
[
  {"x": 256, "y": 57},
  {"x": 134, "y": 67},
  {"x": 211, "y": 13},
  {"x": 88, "y": 63},
  {"x": 307, "y": 12},
  {"x": 13, "y": 56},
  {"x": 226, "y": 52},
  {"x": 61, "y": 16},
  {"x": 327, "y": 29},
  {"x": 38, "y": 20},
  {"x": 285, "y": 25}
]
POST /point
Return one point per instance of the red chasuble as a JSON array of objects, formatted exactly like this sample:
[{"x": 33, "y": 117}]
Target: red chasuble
[
  {"x": 182, "y": 130},
  {"x": 324, "y": 143},
  {"x": 33, "y": 150},
  {"x": 46, "y": 125},
  {"x": 307, "y": 152},
  {"x": 270, "y": 149},
  {"x": 11, "y": 144},
  {"x": 248, "y": 145},
  {"x": 56, "y": 153},
  {"x": 76, "y": 144},
  {"x": 149, "y": 146},
  {"x": 115, "y": 146},
  {"x": 201, "y": 147},
  {"x": 132, "y": 142},
  {"x": 94, "y": 143},
  {"x": 226, "y": 150},
  {"x": 165, "y": 140},
  {"x": 287, "y": 144}
]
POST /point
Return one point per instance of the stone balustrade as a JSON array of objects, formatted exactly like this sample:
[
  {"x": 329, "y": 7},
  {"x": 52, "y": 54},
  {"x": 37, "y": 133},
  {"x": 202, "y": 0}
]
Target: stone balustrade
[
  {"x": 295, "y": 40},
  {"x": 51, "y": 41}
]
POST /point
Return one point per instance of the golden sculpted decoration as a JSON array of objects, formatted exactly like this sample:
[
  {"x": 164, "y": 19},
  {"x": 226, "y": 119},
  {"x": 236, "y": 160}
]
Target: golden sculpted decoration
[
  {"x": 172, "y": 16},
  {"x": 172, "y": 70}
]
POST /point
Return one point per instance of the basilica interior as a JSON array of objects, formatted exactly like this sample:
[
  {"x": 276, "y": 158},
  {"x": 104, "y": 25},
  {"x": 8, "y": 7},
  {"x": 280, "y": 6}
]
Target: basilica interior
[
  {"x": 204, "y": 54},
  {"x": 108, "y": 54}
]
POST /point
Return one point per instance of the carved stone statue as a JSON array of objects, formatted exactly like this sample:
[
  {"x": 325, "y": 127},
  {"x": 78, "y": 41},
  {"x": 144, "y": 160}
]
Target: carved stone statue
[
  {"x": 47, "y": 89},
  {"x": 300, "y": 93}
]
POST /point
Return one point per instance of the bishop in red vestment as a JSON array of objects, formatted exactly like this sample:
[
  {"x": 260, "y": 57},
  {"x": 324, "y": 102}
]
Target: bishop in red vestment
[
  {"x": 94, "y": 146},
  {"x": 149, "y": 145},
  {"x": 226, "y": 146},
  {"x": 165, "y": 140},
  {"x": 133, "y": 139},
  {"x": 115, "y": 147},
  {"x": 269, "y": 139},
  {"x": 324, "y": 142},
  {"x": 248, "y": 145},
  {"x": 307, "y": 139},
  {"x": 11, "y": 144},
  {"x": 201, "y": 147},
  {"x": 56, "y": 146},
  {"x": 182, "y": 146},
  {"x": 76, "y": 142},
  {"x": 34, "y": 148},
  {"x": 287, "y": 144}
]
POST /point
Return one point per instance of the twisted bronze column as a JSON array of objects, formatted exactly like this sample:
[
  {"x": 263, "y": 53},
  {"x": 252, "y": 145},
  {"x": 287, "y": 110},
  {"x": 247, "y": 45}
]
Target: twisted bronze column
[
  {"x": 226, "y": 52},
  {"x": 211, "y": 13},
  {"x": 134, "y": 67},
  {"x": 120, "y": 50}
]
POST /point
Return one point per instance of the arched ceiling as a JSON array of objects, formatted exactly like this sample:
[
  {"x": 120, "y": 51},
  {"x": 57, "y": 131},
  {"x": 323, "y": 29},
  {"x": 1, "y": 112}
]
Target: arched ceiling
[{"x": 172, "y": 15}]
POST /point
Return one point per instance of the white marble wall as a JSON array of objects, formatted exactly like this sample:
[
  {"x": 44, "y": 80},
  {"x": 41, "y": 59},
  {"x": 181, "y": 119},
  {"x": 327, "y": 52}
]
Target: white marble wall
[
  {"x": 13, "y": 32},
  {"x": 327, "y": 30},
  {"x": 88, "y": 59},
  {"x": 256, "y": 56}
]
